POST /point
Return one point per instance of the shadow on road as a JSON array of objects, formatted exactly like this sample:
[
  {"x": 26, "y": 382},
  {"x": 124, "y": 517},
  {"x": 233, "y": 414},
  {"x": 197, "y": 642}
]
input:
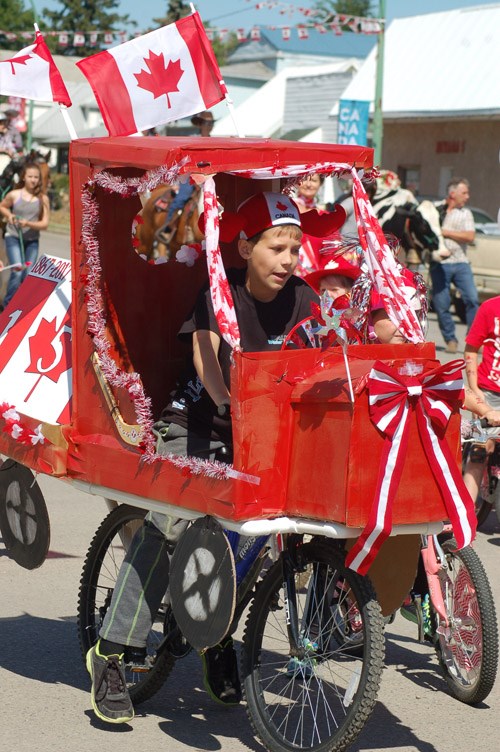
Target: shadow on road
[
  {"x": 384, "y": 731},
  {"x": 45, "y": 650}
]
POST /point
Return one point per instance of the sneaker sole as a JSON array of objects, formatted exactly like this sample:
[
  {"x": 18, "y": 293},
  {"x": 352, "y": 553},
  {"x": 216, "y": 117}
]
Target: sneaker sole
[{"x": 123, "y": 719}]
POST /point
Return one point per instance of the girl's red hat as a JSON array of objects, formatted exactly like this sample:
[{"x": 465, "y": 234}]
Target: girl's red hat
[{"x": 331, "y": 265}]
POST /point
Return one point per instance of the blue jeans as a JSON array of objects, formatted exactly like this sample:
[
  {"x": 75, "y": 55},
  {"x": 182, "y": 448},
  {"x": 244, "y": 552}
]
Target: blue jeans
[
  {"x": 183, "y": 195},
  {"x": 442, "y": 276},
  {"x": 15, "y": 256}
]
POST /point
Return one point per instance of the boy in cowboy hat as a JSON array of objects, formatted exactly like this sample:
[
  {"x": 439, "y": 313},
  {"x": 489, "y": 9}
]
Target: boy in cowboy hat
[{"x": 268, "y": 301}]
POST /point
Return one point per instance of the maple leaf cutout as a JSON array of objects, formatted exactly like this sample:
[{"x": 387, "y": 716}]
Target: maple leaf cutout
[
  {"x": 159, "y": 79},
  {"x": 47, "y": 347},
  {"x": 19, "y": 60},
  {"x": 280, "y": 205}
]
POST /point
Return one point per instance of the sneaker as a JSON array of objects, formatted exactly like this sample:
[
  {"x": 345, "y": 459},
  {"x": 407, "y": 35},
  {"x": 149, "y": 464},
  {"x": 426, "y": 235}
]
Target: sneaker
[
  {"x": 220, "y": 669},
  {"x": 409, "y": 611},
  {"x": 451, "y": 346},
  {"x": 110, "y": 698}
]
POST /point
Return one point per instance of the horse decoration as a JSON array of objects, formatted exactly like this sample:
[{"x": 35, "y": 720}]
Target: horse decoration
[
  {"x": 416, "y": 226},
  {"x": 153, "y": 238}
]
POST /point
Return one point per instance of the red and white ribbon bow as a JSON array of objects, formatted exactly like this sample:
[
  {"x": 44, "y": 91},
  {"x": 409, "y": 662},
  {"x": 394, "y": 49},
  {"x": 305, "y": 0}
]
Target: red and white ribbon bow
[
  {"x": 432, "y": 396},
  {"x": 220, "y": 292}
]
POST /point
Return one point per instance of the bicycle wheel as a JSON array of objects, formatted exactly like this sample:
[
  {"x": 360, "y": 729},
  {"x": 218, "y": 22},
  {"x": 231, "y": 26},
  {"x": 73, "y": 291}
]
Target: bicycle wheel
[
  {"x": 322, "y": 700},
  {"x": 484, "y": 502},
  {"x": 100, "y": 570},
  {"x": 483, "y": 508},
  {"x": 467, "y": 648}
]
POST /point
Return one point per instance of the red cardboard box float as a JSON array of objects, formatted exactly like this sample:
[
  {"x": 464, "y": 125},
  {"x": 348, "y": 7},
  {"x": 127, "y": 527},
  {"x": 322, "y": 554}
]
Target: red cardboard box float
[{"x": 301, "y": 447}]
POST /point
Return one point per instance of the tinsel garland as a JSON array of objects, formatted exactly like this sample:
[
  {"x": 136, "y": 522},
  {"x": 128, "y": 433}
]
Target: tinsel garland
[{"x": 96, "y": 327}]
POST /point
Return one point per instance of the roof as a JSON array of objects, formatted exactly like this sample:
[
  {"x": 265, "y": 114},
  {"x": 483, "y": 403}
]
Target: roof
[
  {"x": 262, "y": 113},
  {"x": 437, "y": 64},
  {"x": 330, "y": 45},
  {"x": 254, "y": 70},
  {"x": 213, "y": 155}
]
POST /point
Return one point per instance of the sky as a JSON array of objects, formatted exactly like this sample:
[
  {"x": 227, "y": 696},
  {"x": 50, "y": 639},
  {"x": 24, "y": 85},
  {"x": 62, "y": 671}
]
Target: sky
[{"x": 234, "y": 14}]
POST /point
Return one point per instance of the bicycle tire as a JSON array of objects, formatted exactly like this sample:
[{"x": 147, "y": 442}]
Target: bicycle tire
[
  {"x": 100, "y": 569},
  {"x": 276, "y": 687},
  {"x": 468, "y": 650},
  {"x": 482, "y": 506},
  {"x": 482, "y": 509}
]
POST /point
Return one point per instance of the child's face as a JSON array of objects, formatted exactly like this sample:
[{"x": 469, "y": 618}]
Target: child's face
[
  {"x": 335, "y": 285},
  {"x": 271, "y": 261}
]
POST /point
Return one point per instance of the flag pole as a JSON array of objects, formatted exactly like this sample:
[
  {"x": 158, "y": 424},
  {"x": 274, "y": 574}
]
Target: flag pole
[
  {"x": 62, "y": 107},
  {"x": 227, "y": 98},
  {"x": 69, "y": 123},
  {"x": 232, "y": 112}
]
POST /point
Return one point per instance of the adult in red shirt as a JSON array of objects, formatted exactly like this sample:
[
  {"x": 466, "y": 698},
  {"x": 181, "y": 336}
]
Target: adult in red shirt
[{"x": 484, "y": 377}]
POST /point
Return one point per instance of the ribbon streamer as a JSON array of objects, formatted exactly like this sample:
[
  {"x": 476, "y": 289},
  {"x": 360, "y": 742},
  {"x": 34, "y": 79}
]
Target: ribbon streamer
[
  {"x": 220, "y": 292},
  {"x": 433, "y": 397}
]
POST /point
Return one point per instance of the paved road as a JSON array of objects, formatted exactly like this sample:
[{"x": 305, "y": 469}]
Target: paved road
[{"x": 44, "y": 687}]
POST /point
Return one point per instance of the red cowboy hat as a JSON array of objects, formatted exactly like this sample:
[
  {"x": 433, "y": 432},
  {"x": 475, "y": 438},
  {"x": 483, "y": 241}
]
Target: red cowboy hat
[{"x": 332, "y": 265}]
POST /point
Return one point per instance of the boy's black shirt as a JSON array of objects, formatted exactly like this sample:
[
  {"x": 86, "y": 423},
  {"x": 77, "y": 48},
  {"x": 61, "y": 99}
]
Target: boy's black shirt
[{"x": 263, "y": 326}]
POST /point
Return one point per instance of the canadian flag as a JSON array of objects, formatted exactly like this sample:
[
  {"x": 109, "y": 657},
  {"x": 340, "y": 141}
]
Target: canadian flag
[
  {"x": 32, "y": 74},
  {"x": 162, "y": 76}
]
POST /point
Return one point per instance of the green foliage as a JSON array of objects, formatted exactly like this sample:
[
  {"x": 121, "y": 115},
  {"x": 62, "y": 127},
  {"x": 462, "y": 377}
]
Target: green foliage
[
  {"x": 175, "y": 9},
  {"x": 15, "y": 17},
  {"x": 84, "y": 16},
  {"x": 360, "y": 8},
  {"x": 223, "y": 49}
]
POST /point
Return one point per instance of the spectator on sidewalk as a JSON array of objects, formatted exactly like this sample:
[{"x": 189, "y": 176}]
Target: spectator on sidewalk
[{"x": 458, "y": 230}]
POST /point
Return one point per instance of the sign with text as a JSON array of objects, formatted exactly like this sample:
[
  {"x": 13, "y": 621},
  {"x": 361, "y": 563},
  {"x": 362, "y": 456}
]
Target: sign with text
[
  {"x": 35, "y": 343},
  {"x": 353, "y": 122}
]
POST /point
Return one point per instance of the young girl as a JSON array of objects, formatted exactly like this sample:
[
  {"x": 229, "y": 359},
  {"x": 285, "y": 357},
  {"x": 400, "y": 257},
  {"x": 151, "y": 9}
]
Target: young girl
[{"x": 26, "y": 210}]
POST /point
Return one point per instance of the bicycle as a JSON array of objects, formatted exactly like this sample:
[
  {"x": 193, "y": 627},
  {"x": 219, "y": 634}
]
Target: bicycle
[
  {"x": 308, "y": 683},
  {"x": 458, "y": 617},
  {"x": 478, "y": 448}
]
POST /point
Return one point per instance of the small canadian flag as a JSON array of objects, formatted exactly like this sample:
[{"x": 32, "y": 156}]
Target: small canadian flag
[
  {"x": 32, "y": 74},
  {"x": 302, "y": 32},
  {"x": 168, "y": 74},
  {"x": 79, "y": 39},
  {"x": 108, "y": 37},
  {"x": 255, "y": 34},
  {"x": 285, "y": 33}
]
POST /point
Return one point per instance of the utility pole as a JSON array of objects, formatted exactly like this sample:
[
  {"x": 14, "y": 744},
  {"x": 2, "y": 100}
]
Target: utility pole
[{"x": 378, "y": 122}]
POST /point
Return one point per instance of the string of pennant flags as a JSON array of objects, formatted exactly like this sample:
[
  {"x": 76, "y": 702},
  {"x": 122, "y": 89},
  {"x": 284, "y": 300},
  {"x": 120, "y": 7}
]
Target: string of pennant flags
[{"x": 335, "y": 24}]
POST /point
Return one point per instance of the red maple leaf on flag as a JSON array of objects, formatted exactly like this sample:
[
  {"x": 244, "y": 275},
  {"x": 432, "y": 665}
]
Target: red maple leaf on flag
[
  {"x": 47, "y": 348},
  {"x": 19, "y": 60},
  {"x": 160, "y": 79},
  {"x": 280, "y": 205}
]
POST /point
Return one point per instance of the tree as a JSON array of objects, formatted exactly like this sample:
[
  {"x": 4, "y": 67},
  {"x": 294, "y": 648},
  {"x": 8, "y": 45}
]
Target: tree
[
  {"x": 84, "y": 16},
  {"x": 177, "y": 9},
  {"x": 14, "y": 17},
  {"x": 360, "y": 8}
]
